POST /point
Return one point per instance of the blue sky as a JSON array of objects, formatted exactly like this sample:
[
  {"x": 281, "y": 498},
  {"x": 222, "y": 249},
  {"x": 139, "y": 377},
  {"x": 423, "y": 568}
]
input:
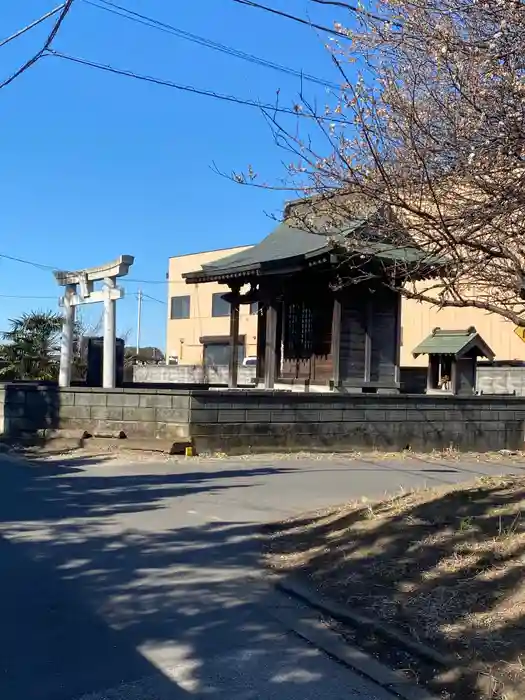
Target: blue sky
[{"x": 95, "y": 165}]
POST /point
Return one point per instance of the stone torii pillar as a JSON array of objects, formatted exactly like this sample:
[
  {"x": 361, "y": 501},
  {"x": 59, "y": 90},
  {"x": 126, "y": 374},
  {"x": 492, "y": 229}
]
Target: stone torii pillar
[{"x": 79, "y": 289}]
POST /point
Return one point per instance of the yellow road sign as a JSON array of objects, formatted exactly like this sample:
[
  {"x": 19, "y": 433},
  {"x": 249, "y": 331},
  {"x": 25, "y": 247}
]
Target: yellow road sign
[{"x": 520, "y": 332}]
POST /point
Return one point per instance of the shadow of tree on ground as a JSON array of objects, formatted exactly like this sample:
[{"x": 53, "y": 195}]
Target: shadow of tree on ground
[
  {"x": 446, "y": 565},
  {"x": 103, "y": 584}
]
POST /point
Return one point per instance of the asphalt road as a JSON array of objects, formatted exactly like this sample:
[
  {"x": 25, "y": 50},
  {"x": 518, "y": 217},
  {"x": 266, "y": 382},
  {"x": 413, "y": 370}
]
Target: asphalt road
[{"x": 141, "y": 581}]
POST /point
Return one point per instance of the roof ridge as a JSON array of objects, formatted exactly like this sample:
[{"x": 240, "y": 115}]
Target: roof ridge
[{"x": 454, "y": 331}]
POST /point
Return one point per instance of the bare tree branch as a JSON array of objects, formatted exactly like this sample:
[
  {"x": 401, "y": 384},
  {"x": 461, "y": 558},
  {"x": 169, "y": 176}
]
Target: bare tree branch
[
  {"x": 427, "y": 142},
  {"x": 353, "y": 8}
]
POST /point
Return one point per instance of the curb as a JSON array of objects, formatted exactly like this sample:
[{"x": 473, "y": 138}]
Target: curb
[
  {"x": 315, "y": 600},
  {"x": 355, "y": 658},
  {"x": 308, "y": 626}
]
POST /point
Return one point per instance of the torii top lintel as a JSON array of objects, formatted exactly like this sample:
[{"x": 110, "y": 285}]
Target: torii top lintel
[{"x": 116, "y": 268}]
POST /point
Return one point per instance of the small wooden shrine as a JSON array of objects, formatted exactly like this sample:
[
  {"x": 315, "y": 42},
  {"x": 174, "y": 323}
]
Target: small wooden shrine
[
  {"x": 329, "y": 309},
  {"x": 452, "y": 360}
]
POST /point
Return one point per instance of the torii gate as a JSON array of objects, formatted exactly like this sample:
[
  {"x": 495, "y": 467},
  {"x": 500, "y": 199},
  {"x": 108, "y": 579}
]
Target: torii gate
[{"x": 73, "y": 297}]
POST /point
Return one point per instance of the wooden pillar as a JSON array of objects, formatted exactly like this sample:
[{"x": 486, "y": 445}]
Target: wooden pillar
[
  {"x": 261, "y": 343},
  {"x": 271, "y": 346},
  {"x": 336, "y": 341},
  {"x": 454, "y": 376},
  {"x": 234, "y": 343},
  {"x": 369, "y": 320},
  {"x": 432, "y": 359},
  {"x": 397, "y": 360}
]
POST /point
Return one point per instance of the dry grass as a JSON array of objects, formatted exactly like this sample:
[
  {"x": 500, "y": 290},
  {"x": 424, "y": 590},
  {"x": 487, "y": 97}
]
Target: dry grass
[{"x": 445, "y": 565}]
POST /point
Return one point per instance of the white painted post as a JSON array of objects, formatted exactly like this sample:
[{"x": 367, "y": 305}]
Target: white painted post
[
  {"x": 110, "y": 350},
  {"x": 66, "y": 342}
]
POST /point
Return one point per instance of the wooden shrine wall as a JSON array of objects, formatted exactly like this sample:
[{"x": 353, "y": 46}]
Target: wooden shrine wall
[
  {"x": 369, "y": 334},
  {"x": 370, "y": 323},
  {"x": 305, "y": 332}
]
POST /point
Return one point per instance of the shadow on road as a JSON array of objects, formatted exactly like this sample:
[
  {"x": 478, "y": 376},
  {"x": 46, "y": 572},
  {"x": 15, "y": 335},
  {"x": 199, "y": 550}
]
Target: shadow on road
[
  {"x": 445, "y": 566},
  {"x": 89, "y": 599}
]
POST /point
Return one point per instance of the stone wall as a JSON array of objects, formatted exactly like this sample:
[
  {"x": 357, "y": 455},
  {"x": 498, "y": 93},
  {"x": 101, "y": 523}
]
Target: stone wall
[
  {"x": 189, "y": 374},
  {"x": 145, "y": 413},
  {"x": 257, "y": 420}
]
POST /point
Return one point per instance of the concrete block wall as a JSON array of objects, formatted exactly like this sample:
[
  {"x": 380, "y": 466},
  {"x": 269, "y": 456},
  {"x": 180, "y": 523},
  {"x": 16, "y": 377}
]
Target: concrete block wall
[
  {"x": 189, "y": 374},
  {"x": 256, "y": 420},
  {"x": 144, "y": 413},
  {"x": 501, "y": 380},
  {"x": 491, "y": 379}
]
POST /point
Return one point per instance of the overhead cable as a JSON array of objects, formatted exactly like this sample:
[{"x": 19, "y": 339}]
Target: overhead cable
[
  {"x": 147, "y": 296},
  {"x": 296, "y": 110},
  {"x": 152, "y": 23},
  {"x": 27, "y": 262},
  {"x": 45, "y": 48},
  {"x": 31, "y": 26},
  {"x": 47, "y": 268},
  {"x": 295, "y": 18}
]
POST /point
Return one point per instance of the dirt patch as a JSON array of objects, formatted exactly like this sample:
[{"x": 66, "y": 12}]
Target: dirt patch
[
  {"x": 118, "y": 447},
  {"x": 444, "y": 565}
]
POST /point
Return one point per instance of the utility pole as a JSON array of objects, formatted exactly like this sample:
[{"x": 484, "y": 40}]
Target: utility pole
[{"x": 139, "y": 314}]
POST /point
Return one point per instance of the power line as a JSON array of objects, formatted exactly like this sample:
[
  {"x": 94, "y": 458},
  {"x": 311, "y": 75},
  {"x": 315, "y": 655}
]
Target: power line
[
  {"x": 21, "y": 70},
  {"x": 27, "y": 262},
  {"x": 30, "y": 26},
  {"x": 153, "y": 23},
  {"x": 294, "y": 18},
  {"x": 138, "y": 295},
  {"x": 47, "y": 268},
  {"x": 24, "y": 296},
  {"x": 147, "y": 296},
  {"x": 45, "y": 48},
  {"x": 54, "y": 31},
  {"x": 356, "y": 9},
  {"x": 297, "y": 111},
  {"x": 131, "y": 279}
]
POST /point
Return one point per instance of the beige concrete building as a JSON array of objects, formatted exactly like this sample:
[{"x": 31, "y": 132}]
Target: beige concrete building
[
  {"x": 198, "y": 325},
  {"x": 198, "y": 321}
]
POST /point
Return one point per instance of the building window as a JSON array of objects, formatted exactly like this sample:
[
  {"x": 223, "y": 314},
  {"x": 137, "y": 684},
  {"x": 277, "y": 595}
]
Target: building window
[
  {"x": 254, "y": 308},
  {"x": 219, "y": 307},
  {"x": 180, "y": 307}
]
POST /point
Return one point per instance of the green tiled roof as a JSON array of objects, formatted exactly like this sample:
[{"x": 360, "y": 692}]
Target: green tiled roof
[
  {"x": 387, "y": 251},
  {"x": 457, "y": 343},
  {"x": 288, "y": 245},
  {"x": 283, "y": 243}
]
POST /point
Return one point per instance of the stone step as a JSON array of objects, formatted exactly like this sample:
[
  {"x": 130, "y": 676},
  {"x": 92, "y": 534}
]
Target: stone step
[
  {"x": 165, "y": 446},
  {"x": 67, "y": 440}
]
